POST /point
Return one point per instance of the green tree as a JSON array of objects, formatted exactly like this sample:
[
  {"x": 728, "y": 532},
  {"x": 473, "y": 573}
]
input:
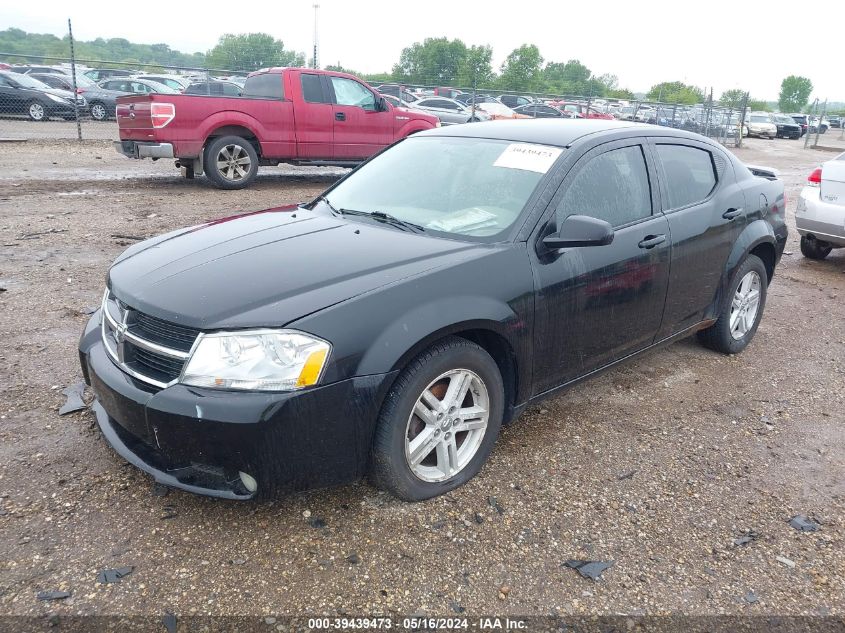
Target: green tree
[
  {"x": 756, "y": 105},
  {"x": 675, "y": 92},
  {"x": 523, "y": 69},
  {"x": 435, "y": 61},
  {"x": 620, "y": 93},
  {"x": 794, "y": 93},
  {"x": 251, "y": 51},
  {"x": 732, "y": 98},
  {"x": 477, "y": 68}
]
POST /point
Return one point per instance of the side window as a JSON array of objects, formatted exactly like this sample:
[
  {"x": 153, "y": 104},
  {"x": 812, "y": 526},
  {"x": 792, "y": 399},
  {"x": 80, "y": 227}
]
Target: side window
[
  {"x": 230, "y": 90},
  {"x": 613, "y": 187},
  {"x": 312, "y": 88},
  {"x": 690, "y": 175},
  {"x": 351, "y": 93},
  {"x": 264, "y": 86}
]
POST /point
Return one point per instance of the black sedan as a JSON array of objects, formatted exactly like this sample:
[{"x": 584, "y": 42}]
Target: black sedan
[
  {"x": 22, "y": 94},
  {"x": 543, "y": 111},
  {"x": 787, "y": 126},
  {"x": 101, "y": 102},
  {"x": 391, "y": 326}
]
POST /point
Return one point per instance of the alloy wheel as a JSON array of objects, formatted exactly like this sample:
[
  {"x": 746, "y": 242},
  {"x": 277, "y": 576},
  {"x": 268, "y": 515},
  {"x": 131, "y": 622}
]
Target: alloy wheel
[
  {"x": 447, "y": 425},
  {"x": 745, "y": 304},
  {"x": 233, "y": 162},
  {"x": 36, "y": 111},
  {"x": 98, "y": 111}
]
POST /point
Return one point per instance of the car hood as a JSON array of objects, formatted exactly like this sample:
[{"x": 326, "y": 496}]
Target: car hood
[{"x": 269, "y": 268}]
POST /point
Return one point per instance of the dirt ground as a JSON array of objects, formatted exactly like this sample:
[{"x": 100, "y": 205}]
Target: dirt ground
[{"x": 658, "y": 466}]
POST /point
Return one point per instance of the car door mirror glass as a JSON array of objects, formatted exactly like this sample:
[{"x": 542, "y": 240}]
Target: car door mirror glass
[{"x": 580, "y": 230}]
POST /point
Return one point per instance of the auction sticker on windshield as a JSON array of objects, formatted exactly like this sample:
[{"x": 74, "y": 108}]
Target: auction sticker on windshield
[{"x": 528, "y": 157}]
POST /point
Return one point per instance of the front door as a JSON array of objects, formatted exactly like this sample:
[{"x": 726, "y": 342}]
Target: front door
[
  {"x": 596, "y": 304},
  {"x": 360, "y": 130}
]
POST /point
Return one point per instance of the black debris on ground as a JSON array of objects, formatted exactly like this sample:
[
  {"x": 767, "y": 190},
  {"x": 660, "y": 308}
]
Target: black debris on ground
[
  {"x": 591, "y": 569},
  {"x": 74, "y": 400},
  {"x": 804, "y": 523},
  {"x": 493, "y": 503},
  {"x": 169, "y": 622},
  {"x": 53, "y": 595},
  {"x": 114, "y": 575}
]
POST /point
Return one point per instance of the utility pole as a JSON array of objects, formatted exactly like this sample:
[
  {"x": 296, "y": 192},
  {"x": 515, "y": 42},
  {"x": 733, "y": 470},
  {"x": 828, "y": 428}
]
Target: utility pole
[
  {"x": 316, "y": 7},
  {"x": 73, "y": 80}
]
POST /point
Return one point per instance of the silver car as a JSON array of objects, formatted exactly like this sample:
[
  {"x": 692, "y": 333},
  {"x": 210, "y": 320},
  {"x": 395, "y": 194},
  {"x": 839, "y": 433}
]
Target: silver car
[{"x": 449, "y": 111}]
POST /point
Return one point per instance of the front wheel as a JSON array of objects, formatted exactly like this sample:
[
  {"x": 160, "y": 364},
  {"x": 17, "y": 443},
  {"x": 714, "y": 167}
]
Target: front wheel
[
  {"x": 36, "y": 111},
  {"x": 99, "y": 112},
  {"x": 738, "y": 320},
  {"x": 231, "y": 162},
  {"x": 813, "y": 249},
  {"x": 439, "y": 421}
]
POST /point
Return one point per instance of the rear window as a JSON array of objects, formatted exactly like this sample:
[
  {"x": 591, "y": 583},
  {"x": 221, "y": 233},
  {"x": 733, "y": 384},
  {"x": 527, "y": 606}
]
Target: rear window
[
  {"x": 265, "y": 86},
  {"x": 690, "y": 176}
]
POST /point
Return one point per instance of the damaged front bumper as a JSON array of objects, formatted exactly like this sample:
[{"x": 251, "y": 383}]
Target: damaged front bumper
[{"x": 205, "y": 440}]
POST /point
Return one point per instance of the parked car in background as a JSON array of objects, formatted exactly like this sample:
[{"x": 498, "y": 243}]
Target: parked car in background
[
  {"x": 631, "y": 113},
  {"x": 581, "y": 110},
  {"x": 543, "y": 111},
  {"x": 449, "y": 111},
  {"x": 820, "y": 214},
  {"x": 101, "y": 102},
  {"x": 29, "y": 69},
  {"x": 98, "y": 74},
  {"x": 215, "y": 88},
  {"x": 307, "y": 346},
  {"x": 450, "y": 93},
  {"x": 22, "y": 94},
  {"x": 286, "y": 115},
  {"x": 397, "y": 91},
  {"x": 177, "y": 82},
  {"x": 836, "y": 121},
  {"x": 786, "y": 126},
  {"x": 514, "y": 101},
  {"x": 761, "y": 124},
  {"x": 816, "y": 123},
  {"x": 132, "y": 86}
]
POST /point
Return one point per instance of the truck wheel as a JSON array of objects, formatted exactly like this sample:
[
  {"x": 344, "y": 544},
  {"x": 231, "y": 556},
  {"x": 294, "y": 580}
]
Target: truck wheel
[
  {"x": 231, "y": 162},
  {"x": 813, "y": 249},
  {"x": 741, "y": 314},
  {"x": 439, "y": 421}
]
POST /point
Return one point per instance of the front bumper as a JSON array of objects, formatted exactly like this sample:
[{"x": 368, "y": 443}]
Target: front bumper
[
  {"x": 819, "y": 219},
  {"x": 143, "y": 149},
  {"x": 200, "y": 440}
]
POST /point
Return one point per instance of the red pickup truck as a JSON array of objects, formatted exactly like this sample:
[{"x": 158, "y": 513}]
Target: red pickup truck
[{"x": 286, "y": 115}]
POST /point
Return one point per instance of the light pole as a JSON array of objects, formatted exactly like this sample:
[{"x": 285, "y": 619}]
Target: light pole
[{"x": 316, "y": 65}]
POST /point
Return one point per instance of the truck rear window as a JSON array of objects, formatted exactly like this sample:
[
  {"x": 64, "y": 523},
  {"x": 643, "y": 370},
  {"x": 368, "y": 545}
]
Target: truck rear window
[{"x": 266, "y": 86}]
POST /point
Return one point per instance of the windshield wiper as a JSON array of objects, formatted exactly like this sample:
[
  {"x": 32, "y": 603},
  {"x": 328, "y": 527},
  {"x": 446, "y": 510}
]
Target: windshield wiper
[
  {"x": 325, "y": 200},
  {"x": 386, "y": 218}
]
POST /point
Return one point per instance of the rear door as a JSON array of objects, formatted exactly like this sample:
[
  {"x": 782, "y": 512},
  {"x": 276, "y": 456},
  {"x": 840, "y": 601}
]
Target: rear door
[
  {"x": 359, "y": 129},
  {"x": 314, "y": 114},
  {"x": 596, "y": 304},
  {"x": 833, "y": 182},
  {"x": 706, "y": 211}
]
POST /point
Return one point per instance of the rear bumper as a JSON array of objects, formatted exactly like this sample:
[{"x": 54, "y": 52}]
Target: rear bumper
[
  {"x": 142, "y": 149},
  {"x": 823, "y": 220}
]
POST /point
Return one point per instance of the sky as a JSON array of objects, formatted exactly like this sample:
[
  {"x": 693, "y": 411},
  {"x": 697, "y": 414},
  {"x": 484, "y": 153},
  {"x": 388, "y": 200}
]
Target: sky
[{"x": 707, "y": 44}]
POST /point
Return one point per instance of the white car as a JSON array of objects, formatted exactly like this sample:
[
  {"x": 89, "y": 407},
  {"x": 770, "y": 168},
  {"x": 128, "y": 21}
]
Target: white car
[
  {"x": 820, "y": 215},
  {"x": 761, "y": 124}
]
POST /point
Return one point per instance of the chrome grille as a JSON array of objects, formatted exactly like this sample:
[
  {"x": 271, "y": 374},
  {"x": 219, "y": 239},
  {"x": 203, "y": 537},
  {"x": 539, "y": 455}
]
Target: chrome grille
[{"x": 145, "y": 347}]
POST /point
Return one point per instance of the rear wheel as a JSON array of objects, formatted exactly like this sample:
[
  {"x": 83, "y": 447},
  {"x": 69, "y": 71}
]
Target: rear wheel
[
  {"x": 738, "y": 320},
  {"x": 811, "y": 248},
  {"x": 231, "y": 162},
  {"x": 36, "y": 111},
  {"x": 439, "y": 422},
  {"x": 99, "y": 111}
]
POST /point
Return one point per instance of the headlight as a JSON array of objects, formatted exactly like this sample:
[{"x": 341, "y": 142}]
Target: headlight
[
  {"x": 262, "y": 360},
  {"x": 56, "y": 98}
]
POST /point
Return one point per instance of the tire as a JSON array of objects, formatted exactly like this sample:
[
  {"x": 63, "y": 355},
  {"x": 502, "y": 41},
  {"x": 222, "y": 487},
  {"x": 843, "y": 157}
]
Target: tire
[
  {"x": 813, "y": 249},
  {"x": 36, "y": 111},
  {"x": 99, "y": 112},
  {"x": 735, "y": 327},
  {"x": 437, "y": 469},
  {"x": 240, "y": 161}
]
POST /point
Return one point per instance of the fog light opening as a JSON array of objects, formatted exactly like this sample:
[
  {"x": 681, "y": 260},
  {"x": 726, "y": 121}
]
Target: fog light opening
[{"x": 248, "y": 481}]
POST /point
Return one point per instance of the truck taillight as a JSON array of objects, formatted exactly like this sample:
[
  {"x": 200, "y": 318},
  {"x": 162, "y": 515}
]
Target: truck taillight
[
  {"x": 815, "y": 176},
  {"x": 162, "y": 113}
]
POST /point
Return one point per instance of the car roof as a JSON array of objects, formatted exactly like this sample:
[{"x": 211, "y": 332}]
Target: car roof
[{"x": 559, "y": 132}]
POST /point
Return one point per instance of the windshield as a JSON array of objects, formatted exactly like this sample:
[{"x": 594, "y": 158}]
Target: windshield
[
  {"x": 760, "y": 119},
  {"x": 784, "y": 119},
  {"x": 28, "y": 82},
  {"x": 461, "y": 186}
]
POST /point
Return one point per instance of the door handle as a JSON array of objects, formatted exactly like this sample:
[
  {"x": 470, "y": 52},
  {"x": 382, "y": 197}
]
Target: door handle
[
  {"x": 731, "y": 213},
  {"x": 651, "y": 241},
  {"x": 340, "y": 116}
]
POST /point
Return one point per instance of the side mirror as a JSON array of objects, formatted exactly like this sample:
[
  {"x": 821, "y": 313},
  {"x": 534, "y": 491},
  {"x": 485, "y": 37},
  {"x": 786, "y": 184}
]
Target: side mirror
[
  {"x": 580, "y": 230},
  {"x": 381, "y": 104}
]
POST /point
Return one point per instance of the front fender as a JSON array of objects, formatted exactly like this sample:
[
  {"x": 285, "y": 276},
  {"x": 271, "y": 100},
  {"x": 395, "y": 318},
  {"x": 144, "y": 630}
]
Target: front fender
[{"x": 412, "y": 127}]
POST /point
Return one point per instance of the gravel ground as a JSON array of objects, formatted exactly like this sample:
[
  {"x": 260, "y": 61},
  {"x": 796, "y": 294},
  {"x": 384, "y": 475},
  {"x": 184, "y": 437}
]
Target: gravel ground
[{"x": 657, "y": 466}]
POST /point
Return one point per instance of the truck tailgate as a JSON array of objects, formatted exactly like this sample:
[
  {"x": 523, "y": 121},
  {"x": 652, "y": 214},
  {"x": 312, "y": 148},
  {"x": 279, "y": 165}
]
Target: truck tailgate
[{"x": 133, "y": 118}]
